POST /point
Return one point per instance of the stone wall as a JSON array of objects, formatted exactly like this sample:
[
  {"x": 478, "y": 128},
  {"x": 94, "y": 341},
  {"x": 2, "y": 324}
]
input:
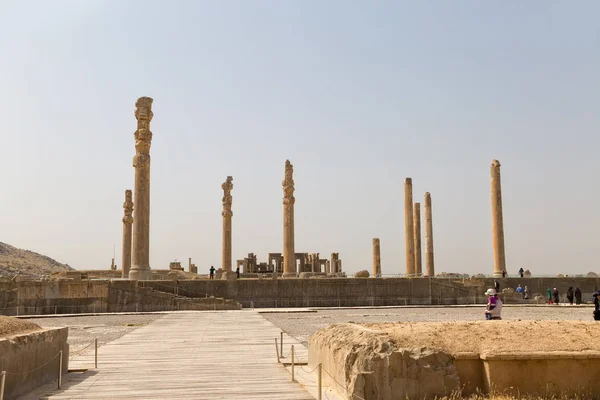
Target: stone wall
[{"x": 31, "y": 360}]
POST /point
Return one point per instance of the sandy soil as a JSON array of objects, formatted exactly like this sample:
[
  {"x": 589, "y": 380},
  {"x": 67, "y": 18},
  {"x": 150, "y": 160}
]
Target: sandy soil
[
  {"x": 493, "y": 337},
  {"x": 13, "y": 326}
]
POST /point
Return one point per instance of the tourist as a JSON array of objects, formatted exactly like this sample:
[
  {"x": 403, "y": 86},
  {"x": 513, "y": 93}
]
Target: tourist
[
  {"x": 519, "y": 289},
  {"x": 570, "y": 295},
  {"x": 504, "y": 273},
  {"x": 237, "y": 272},
  {"x": 526, "y": 292},
  {"x": 549, "y": 293},
  {"x": 555, "y": 296},
  {"x": 596, "y": 305},
  {"x": 212, "y": 272},
  {"x": 497, "y": 286},
  {"x": 494, "y": 305},
  {"x": 577, "y": 296},
  {"x": 521, "y": 272}
]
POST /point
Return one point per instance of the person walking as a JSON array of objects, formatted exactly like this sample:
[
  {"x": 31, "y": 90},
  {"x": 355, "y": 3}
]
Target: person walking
[
  {"x": 497, "y": 286},
  {"x": 570, "y": 295},
  {"x": 493, "y": 308},
  {"x": 549, "y": 294},
  {"x": 526, "y": 292},
  {"x": 521, "y": 272},
  {"x": 212, "y": 272},
  {"x": 577, "y": 296},
  {"x": 555, "y": 296},
  {"x": 504, "y": 273},
  {"x": 237, "y": 272}
]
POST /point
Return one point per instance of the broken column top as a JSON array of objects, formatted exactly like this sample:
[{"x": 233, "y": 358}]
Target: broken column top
[
  {"x": 407, "y": 180},
  {"x": 143, "y": 108},
  {"x": 495, "y": 163}
]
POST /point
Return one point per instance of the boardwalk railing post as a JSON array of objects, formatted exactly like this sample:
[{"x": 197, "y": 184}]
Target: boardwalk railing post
[
  {"x": 2, "y": 380},
  {"x": 276, "y": 351},
  {"x": 281, "y": 343},
  {"x": 60, "y": 360},
  {"x": 293, "y": 363},
  {"x": 319, "y": 382},
  {"x": 96, "y": 353}
]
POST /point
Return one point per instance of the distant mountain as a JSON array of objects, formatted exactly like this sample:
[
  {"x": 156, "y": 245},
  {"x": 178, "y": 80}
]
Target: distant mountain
[{"x": 16, "y": 261}]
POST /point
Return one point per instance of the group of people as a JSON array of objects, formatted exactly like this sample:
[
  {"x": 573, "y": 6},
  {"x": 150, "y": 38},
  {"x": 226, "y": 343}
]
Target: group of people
[{"x": 572, "y": 295}]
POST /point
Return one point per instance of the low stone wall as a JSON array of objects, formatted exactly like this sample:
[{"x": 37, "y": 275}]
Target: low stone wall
[
  {"x": 31, "y": 360},
  {"x": 367, "y": 363}
]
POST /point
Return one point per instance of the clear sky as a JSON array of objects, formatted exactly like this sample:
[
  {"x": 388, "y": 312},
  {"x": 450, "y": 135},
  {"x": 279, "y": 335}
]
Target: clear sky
[{"x": 358, "y": 95}]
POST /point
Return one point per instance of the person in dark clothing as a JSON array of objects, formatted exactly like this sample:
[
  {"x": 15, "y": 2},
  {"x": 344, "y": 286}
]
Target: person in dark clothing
[
  {"x": 212, "y": 272},
  {"x": 504, "y": 273},
  {"x": 521, "y": 272},
  {"x": 577, "y": 296},
  {"x": 497, "y": 286},
  {"x": 555, "y": 296},
  {"x": 549, "y": 295},
  {"x": 237, "y": 272},
  {"x": 570, "y": 295},
  {"x": 596, "y": 305}
]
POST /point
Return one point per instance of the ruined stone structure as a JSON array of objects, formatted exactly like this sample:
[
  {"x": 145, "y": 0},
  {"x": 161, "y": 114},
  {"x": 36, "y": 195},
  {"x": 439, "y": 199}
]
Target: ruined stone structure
[
  {"x": 376, "y": 258},
  {"x": 409, "y": 227},
  {"x": 497, "y": 219},
  {"x": 289, "y": 262},
  {"x": 175, "y": 265},
  {"x": 227, "y": 186},
  {"x": 335, "y": 263},
  {"x": 303, "y": 262},
  {"x": 113, "y": 266},
  {"x": 192, "y": 268},
  {"x": 417, "y": 241},
  {"x": 140, "y": 269},
  {"x": 127, "y": 226},
  {"x": 429, "y": 265}
]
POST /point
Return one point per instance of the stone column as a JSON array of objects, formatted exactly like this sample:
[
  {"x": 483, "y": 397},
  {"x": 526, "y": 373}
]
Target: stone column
[
  {"x": 127, "y": 226},
  {"x": 497, "y": 219},
  {"x": 227, "y": 186},
  {"x": 376, "y": 258},
  {"x": 409, "y": 228},
  {"x": 289, "y": 252},
  {"x": 140, "y": 268},
  {"x": 417, "y": 242},
  {"x": 429, "y": 267}
]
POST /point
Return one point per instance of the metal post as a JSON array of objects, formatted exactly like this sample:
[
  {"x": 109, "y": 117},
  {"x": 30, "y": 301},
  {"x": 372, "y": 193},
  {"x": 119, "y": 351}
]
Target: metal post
[
  {"x": 281, "y": 343},
  {"x": 293, "y": 363},
  {"x": 96, "y": 353},
  {"x": 319, "y": 382},
  {"x": 2, "y": 380},
  {"x": 276, "y": 351},
  {"x": 60, "y": 369}
]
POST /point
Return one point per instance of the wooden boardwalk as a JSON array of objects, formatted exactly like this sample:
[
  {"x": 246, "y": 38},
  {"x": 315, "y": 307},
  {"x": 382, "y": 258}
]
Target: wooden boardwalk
[{"x": 189, "y": 355}]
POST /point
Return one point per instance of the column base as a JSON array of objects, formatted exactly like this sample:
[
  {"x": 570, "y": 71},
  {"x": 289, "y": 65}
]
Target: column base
[
  {"x": 140, "y": 273},
  {"x": 229, "y": 276},
  {"x": 497, "y": 275},
  {"x": 289, "y": 275}
]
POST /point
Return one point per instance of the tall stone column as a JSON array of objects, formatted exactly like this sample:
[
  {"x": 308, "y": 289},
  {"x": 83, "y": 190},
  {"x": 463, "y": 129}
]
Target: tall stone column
[
  {"x": 409, "y": 227},
  {"x": 417, "y": 242},
  {"x": 227, "y": 186},
  {"x": 497, "y": 219},
  {"x": 429, "y": 266},
  {"x": 376, "y": 258},
  {"x": 127, "y": 222},
  {"x": 140, "y": 268},
  {"x": 289, "y": 252}
]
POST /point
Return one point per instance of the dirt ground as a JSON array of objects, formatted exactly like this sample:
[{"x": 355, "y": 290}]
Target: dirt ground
[{"x": 13, "y": 326}]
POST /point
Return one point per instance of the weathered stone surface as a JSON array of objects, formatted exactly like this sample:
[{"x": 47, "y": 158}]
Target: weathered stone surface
[
  {"x": 429, "y": 259},
  {"x": 289, "y": 256},
  {"x": 229, "y": 276},
  {"x": 227, "y": 214},
  {"x": 362, "y": 274},
  {"x": 127, "y": 234},
  {"x": 140, "y": 269},
  {"x": 409, "y": 227},
  {"x": 417, "y": 240},
  {"x": 376, "y": 257},
  {"x": 497, "y": 219}
]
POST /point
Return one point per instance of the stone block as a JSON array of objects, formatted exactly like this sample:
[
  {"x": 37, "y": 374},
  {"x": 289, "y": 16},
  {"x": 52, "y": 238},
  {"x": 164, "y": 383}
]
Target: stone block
[{"x": 362, "y": 274}]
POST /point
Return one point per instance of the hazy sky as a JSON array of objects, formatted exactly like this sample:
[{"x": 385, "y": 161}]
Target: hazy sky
[{"x": 358, "y": 95}]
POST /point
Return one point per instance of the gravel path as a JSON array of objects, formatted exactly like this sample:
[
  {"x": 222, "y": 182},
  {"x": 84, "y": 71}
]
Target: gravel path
[
  {"x": 303, "y": 324},
  {"x": 83, "y": 330}
]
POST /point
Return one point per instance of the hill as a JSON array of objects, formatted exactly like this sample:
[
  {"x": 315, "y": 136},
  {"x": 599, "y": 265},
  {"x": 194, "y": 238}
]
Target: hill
[{"x": 17, "y": 261}]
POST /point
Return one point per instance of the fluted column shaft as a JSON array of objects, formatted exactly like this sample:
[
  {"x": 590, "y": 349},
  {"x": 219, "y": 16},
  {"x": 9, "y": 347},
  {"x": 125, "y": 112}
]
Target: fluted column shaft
[
  {"x": 497, "y": 219},
  {"x": 127, "y": 235},
  {"x": 429, "y": 263},
  {"x": 226, "y": 261},
  {"x": 376, "y": 257},
  {"x": 409, "y": 227},
  {"x": 289, "y": 252},
  {"x": 417, "y": 241}
]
